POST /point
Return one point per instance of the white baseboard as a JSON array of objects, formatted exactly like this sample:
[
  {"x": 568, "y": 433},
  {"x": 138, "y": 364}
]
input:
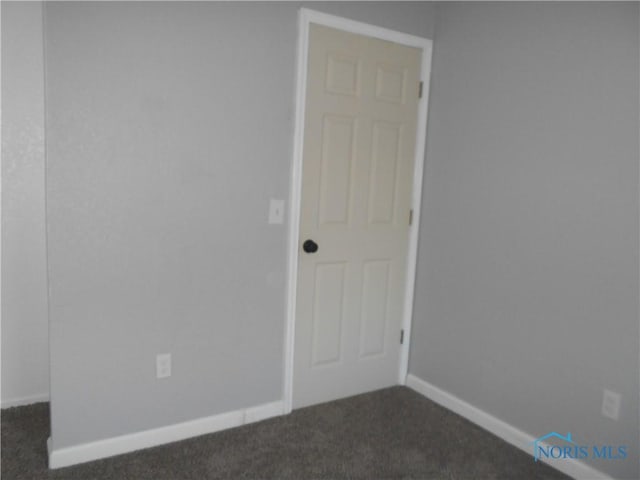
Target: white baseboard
[
  {"x": 64, "y": 457},
  {"x": 28, "y": 400},
  {"x": 510, "y": 434},
  {"x": 264, "y": 411}
]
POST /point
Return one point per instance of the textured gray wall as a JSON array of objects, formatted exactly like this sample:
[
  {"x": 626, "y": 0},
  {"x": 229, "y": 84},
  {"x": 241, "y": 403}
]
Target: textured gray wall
[
  {"x": 527, "y": 289},
  {"x": 169, "y": 127},
  {"x": 25, "y": 336}
]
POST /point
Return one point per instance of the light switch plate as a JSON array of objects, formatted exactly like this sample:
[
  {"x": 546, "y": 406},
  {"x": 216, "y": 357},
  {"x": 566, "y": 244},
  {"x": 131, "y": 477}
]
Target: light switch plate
[{"x": 276, "y": 211}]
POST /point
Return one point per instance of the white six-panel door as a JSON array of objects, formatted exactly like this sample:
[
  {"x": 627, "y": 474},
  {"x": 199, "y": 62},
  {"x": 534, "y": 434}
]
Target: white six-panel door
[{"x": 358, "y": 154}]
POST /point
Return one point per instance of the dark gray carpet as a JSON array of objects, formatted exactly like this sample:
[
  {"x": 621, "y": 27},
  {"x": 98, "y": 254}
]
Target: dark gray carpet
[{"x": 389, "y": 434}]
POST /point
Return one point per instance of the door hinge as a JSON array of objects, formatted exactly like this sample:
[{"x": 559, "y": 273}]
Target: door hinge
[
  {"x": 401, "y": 337},
  {"x": 420, "y": 87},
  {"x": 411, "y": 217}
]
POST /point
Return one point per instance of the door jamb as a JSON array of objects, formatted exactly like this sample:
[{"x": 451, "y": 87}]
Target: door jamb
[{"x": 305, "y": 18}]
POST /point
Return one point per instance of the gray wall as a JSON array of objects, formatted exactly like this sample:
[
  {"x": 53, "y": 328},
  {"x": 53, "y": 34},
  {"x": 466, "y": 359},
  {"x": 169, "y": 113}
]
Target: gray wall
[
  {"x": 527, "y": 289},
  {"x": 25, "y": 340},
  {"x": 169, "y": 127}
]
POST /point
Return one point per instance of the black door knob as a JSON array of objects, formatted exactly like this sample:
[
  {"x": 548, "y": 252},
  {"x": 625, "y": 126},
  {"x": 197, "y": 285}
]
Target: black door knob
[{"x": 310, "y": 246}]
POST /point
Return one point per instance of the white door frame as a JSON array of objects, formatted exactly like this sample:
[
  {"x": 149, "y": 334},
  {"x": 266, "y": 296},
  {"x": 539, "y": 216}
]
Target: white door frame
[{"x": 307, "y": 17}]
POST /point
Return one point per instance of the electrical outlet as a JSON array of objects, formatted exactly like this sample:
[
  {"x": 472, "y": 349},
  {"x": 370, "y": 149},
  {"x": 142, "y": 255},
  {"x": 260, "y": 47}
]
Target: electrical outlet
[
  {"x": 163, "y": 365},
  {"x": 610, "y": 404},
  {"x": 276, "y": 211}
]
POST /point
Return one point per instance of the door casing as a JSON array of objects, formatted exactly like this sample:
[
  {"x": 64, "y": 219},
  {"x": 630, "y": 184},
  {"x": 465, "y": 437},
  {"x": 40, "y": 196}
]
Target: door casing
[{"x": 307, "y": 17}]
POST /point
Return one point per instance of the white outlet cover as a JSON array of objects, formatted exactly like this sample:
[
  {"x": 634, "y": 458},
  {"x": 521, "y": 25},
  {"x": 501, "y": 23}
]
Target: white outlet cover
[
  {"x": 611, "y": 404},
  {"x": 163, "y": 365},
  {"x": 276, "y": 211}
]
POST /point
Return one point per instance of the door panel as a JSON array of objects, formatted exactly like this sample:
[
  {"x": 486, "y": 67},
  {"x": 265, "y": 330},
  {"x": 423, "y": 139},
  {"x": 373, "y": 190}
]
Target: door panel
[
  {"x": 391, "y": 83},
  {"x": 374, "y": 315},
  {"x": 385, "y": 160},
  {"x": 327, "y": 316},
  {"x": 358, "y": 154},
  {"x": 338, "y": 149}
]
